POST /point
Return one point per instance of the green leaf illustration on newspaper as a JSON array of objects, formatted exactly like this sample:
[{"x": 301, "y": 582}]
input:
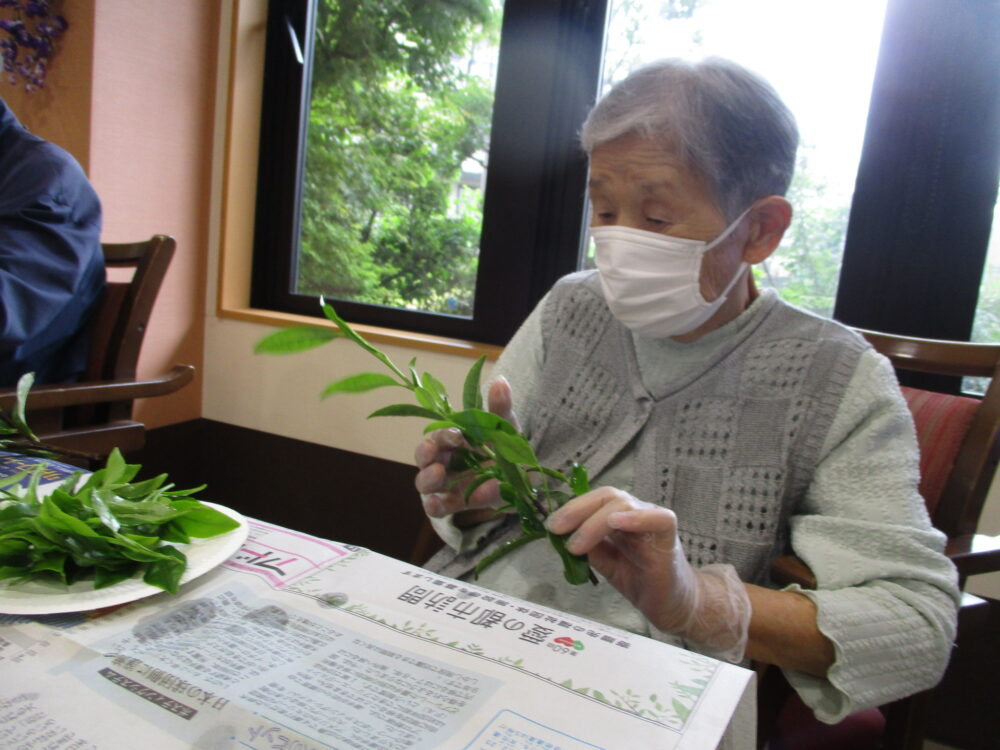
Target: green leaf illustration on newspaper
[
  {"x": 671, "y": 706},
  {"x": 494, "y": 449}
]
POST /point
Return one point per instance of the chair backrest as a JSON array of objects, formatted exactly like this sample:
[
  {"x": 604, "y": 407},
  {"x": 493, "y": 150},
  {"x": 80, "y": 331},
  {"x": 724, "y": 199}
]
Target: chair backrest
[
  {"x": 120, "y": 322},
  {"x": 959, "y": 436},
  {"x": 121, "y": 319},
  {"x": 92, "y": 416}
]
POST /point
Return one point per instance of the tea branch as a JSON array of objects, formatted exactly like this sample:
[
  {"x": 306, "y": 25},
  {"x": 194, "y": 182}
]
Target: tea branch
[{"x": 494, "y": 448}]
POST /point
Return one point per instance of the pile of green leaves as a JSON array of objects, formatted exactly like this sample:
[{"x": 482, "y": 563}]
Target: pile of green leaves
[
  {"x": 101, "y": 526},
  {"x": 494, "y": 447}
]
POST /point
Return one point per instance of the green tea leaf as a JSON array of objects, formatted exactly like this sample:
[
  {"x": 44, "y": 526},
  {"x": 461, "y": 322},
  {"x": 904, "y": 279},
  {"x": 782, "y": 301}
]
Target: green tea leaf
[
  {"x": 474, "y": 485},
  {"x": 514, "y": 448},
  {"x": 515, "y": 476},
  {"x": 576, "y": 568},
  {"x": 171, "y": 532},
  {"x": 405, "y": 410},
  {"x": 54, "y": 520},
  {"x": 154, "y": 511},
  {"x": 51, "y": 561},
  {"x": 133, "y": 547},
  {"x": 141, "y": 489},
  {"x": 17, "y": 511},
  {"x": 557, "y": 475},
  {"x": 426, "y": 399},
  {"x": 476, "y": 423},
  {"x": 354, "y": 336},
  {"x": 365, "y": 381},
  {"x": 166, "y": 574},
  {"x": 295, "y": 339},
  {"x": 105, "y": 576},
  {"x": 204, "y": 521},
  {"x": 579, "y": 482},
  {"x": 440, "y": 424},
  {"x": 114, "y": 469},
  {"x": 115, "y": 472},
  {"x": 78, "y": 507},
  {"x": 472, "y": 395},
  {"x": 436, "y": 387},
  {"x": 183, "y": 493},
  {"x": 24, "y": 384},
  {"x": 14, "y": 479},
  {"x": 17, "y": 572},
  {"x": 104, "y": 513},
  {"x": 464, "y": 458},
  {"x": 505, "y": 549}
]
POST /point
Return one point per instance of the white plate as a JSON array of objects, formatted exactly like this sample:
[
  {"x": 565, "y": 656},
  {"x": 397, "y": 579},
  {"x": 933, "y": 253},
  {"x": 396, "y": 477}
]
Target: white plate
[{"x": 49, "y": 598}]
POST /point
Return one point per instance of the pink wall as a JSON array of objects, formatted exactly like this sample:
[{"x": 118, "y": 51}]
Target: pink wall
[
  {"x": 151, "y": 130},
  {"x": 131, "y": 95},
  {"x": 60, "y": 112}
]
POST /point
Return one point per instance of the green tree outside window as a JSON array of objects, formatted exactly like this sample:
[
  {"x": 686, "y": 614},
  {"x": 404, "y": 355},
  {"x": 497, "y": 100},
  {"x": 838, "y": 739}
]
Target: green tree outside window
[{"x": 398, "y": 105}]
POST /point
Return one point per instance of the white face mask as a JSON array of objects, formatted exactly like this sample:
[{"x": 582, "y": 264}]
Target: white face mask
[{"x": 651, "y": 281}]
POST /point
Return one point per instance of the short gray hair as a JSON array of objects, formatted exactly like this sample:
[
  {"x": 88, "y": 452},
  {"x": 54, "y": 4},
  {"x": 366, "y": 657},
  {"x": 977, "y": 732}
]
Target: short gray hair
[{"x": 727, "y": 123}]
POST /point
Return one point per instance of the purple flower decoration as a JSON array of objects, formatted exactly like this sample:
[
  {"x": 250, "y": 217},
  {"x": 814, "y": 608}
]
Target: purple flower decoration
[{"x": 30, "y": 41}]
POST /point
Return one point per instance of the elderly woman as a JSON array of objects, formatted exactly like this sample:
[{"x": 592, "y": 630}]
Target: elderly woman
[{"x": 726, "y": 425}]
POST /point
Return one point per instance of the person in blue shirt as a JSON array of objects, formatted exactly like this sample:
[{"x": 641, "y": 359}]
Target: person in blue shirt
[{"x": 51, "y": 264}]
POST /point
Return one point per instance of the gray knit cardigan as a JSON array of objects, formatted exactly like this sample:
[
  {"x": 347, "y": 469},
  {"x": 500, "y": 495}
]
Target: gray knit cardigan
[{"x": 790, "y": 433}]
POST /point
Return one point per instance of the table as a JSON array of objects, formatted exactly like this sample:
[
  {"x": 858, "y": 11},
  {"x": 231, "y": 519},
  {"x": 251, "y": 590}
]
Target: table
[{"x": 299, "y": 642}]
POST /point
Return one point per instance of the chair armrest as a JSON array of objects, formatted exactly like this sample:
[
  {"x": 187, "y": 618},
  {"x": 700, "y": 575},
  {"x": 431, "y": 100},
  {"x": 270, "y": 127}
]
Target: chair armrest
[
  {"x": 789, "y": 569},
  {"x": 974, "y": 553},
  {"x": 100, "y": 391}
]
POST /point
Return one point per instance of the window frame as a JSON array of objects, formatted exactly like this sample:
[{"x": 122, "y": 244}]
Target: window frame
[
  {"x": 533, "y": 207},
  {"x": 928, "y": 177},
  {"x": 936, "y": 92}
]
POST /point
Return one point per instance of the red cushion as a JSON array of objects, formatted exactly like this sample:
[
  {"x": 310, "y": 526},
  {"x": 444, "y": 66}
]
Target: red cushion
[
  {"x": 798, "y": 729},
  {"x": 942, "y": 421}
]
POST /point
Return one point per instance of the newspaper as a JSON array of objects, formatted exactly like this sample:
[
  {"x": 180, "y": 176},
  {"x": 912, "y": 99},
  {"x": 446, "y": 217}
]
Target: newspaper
[{"x": 299, "y": 642}]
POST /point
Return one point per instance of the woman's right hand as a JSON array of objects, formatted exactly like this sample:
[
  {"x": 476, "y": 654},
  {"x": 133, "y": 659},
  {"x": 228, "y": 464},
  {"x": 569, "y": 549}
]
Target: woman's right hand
[{"x": 441, "y": 494}]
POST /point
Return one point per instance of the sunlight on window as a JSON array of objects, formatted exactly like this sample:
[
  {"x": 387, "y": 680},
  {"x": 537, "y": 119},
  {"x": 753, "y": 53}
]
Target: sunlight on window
[
  {"x": 986, "y": 324},
  {"x": 986, "y": 327}
]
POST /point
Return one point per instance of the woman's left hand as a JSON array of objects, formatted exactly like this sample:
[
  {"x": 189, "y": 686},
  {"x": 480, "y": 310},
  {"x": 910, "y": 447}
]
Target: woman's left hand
[{"x": 634, "y": 545}]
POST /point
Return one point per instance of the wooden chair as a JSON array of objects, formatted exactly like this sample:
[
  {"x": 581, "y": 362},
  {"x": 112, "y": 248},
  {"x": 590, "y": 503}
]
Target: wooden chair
[
  {"x": 959, "y": 440},
  {"x": 94, "y": 415}
]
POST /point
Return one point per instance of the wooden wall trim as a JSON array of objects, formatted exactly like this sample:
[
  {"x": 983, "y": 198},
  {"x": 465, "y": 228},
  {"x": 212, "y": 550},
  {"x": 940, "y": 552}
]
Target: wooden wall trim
[{"x": 328, "y": 492}]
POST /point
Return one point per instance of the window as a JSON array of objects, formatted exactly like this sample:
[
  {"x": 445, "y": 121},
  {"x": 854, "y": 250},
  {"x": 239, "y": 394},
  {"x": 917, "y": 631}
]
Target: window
[
  {"x": 987, "y": 322},
  {"x": 396, "y": 153},
  {"x": 922, "y": 202},
  {"x": 546, "y": 76}
]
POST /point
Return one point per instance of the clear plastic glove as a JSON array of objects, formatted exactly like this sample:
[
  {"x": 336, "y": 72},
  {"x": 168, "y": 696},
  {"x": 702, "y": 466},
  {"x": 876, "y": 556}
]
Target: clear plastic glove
[
  {"x": 441, "y": 494},
  {"x": 634, "y": 545}
]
